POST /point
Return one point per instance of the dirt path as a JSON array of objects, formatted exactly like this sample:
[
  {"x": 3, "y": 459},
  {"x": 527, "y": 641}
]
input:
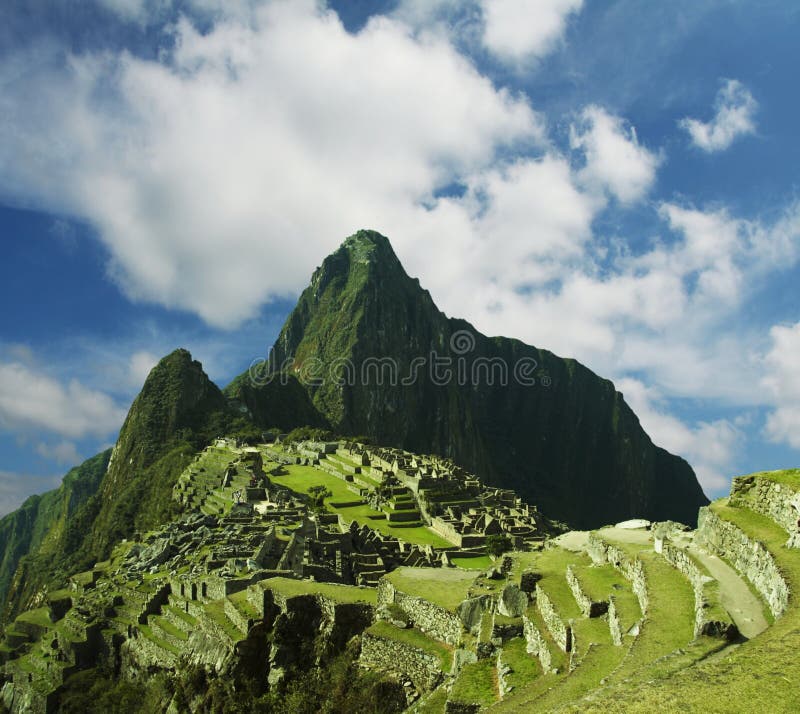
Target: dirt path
[
  {"x": 572, "y": 540},
  {"x": 636, "y": 536},
  {"x": 736, "y": 597}
]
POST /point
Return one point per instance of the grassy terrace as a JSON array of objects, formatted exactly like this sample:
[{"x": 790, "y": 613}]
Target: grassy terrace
[
  {"x": 669, "y": 624},
  {"x": 216, "y": 612},
  {"x": 600, "y": 581},
  {"x": 169, "y": 628},
  {"x": 301, "y": 478},
  {"x": 476, "y": 682},
  {"x": 445, "y": 587},
  {"x": 760, "y": 675},
  {"x": 339, "y": 593},
  {"x": 39, "y": 616},
  {"x": 183, "y": 615},
  {"x": 163, "y": 644},
  {"x": 668, "y": 628},
  {"x": 526, "y": 667},
  {"x": 552, "y": 564},
  {"x": 414, "y": 638}
]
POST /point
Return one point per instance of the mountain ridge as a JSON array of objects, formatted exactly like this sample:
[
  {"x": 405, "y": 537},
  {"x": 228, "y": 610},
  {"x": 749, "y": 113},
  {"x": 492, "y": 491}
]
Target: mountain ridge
[{"x": 361, "y": 305}]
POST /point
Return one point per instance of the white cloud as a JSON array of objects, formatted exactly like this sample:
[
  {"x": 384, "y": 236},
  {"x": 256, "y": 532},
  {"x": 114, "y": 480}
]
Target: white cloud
[
  {"x": 16, "y": 487},
  {"x": 32, "y": 400},
  {"x": 615, "y": 160},
  {"x": 734, "y": 116},
  {"x": 711, "y": 447},
  {"x": 218, "y": 178},
  {"x": 140, "y": 365},
  {"x": 131, "y": 10},
  {"x": 782, "y": 380},
  {"x": 519, "y": 29},
  {"x": 62, "y": 453}
]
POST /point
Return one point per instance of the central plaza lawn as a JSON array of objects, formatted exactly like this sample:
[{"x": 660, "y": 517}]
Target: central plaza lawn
[{"x": 301, "y": 479}]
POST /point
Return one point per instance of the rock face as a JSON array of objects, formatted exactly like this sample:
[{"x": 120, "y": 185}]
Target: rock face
[{"x": 378, "y": 358}]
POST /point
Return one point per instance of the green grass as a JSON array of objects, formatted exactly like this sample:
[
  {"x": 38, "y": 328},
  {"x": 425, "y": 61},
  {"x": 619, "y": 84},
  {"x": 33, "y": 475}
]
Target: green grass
[
  {"x": 243, "y": 605},
  {"x": 183, "y": 615},
  {"x": 790, "y": 477},
  {"x": 150, "y": 635},
  {"x": 477, "y": 682},
  {"x": 435, "y": 703},
  {"x": 669, "y": 623},
  {"x": 600, "y": 581},
  {"x": 482, "y": 562},
  {"x": 526, "y": 667},
  {"x": 552, "y": 564},
  {"x": 39, "y": 616},
  {"x": 414, "y": 638},
  {"x": 445, "y": 587},
  {"x": 339, "y": 593},
  {"x": 301, "y": 478}
]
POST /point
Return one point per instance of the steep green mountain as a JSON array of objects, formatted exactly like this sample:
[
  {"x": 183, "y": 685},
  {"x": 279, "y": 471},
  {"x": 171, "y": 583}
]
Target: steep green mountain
[
  {"x": 273, "y": 404},
  {"x": 178, "y": 411},
  {"x": 40, "y": 525},
  {"x": 361, "y": 340}
]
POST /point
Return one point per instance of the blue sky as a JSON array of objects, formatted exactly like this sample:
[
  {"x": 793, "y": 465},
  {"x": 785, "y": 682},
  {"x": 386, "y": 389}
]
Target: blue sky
[{"x": 614, "y": 181}]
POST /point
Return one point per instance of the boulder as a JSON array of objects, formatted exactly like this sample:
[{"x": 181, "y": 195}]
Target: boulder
[{"x": 513, "y": 601}]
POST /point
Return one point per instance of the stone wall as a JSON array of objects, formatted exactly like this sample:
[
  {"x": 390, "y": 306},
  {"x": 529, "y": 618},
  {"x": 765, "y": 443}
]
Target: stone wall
[
  {"x": 709, "y": 617},
  {"x": 750, "y": 557},
  {"x": 562, "y": 634},
  {"x": 631, "y": 568},
  {"x": 614, "y": 626},
  {"x": 589, "y": 607},
  {"x": 772, "y": 499},
  {"x": 536, "y": 644},
  {"x": 423, "y": 669},
  {"x": 439, "y": 623}
]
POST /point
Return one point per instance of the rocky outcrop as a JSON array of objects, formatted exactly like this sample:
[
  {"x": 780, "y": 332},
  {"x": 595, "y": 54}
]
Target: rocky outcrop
[
  {"x": 512, "y": 602},
  {"x": 750, "y": 557}
]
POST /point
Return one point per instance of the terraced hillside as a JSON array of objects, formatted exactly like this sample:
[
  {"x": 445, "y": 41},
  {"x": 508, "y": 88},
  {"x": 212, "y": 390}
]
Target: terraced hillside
[{"x": 634, "y": 617}]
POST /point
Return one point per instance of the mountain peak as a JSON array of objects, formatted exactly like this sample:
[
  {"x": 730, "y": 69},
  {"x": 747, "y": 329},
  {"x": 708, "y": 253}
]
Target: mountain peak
[
  {"x": 363, "y": 318},
  {"x": 368, "y": 245}
]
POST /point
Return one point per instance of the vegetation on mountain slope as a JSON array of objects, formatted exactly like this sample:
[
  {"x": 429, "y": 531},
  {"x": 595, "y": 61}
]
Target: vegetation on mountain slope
[{"x": 48, "y": 527}]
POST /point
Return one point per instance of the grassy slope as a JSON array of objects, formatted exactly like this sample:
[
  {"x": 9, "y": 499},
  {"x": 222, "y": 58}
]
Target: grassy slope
[{"x": 760, "y": 675}]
